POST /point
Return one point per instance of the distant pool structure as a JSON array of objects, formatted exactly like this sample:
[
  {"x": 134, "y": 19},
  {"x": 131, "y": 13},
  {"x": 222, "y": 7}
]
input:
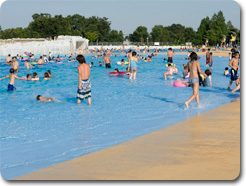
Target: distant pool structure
[{"x": 37, "y": 135}]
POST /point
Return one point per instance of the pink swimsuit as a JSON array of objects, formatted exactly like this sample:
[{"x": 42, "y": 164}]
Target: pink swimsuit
[{"x": 171, "y": 71}]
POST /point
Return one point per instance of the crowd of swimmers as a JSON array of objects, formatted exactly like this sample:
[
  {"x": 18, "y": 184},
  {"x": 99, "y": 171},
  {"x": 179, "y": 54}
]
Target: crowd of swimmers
[{"x": 192, "y": 70}]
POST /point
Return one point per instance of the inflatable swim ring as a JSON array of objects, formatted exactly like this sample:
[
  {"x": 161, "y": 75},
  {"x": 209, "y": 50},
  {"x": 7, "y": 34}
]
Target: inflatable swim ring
[
  {"x": 59, "y": 62},
  {"x": 178, "y": 84},
  {"x": 34, "y": 63},
  {"x": 171, "y": 64},
  {"x": 116, "y": 73},
  {"x": 125, "y": 63}
]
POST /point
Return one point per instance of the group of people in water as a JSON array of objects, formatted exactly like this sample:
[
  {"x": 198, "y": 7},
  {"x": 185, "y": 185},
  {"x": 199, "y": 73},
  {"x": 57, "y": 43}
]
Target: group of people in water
[{"x": 192, "y": 72}]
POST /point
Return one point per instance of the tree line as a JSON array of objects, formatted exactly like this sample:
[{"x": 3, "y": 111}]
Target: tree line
[{"x": 98, "y": 29}]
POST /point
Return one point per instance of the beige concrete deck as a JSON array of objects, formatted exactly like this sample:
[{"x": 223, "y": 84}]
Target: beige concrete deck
[{"x": 204, "y": 147}]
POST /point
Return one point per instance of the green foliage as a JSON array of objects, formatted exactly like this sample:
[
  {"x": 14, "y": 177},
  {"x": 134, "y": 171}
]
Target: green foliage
[
  {"x": 159, "y": 34},
  {"x": 177, "y": 33},
  {"x": 77, "y": 24},
  {"x": 92, "y": 36},
  {"x": 115, "y": 36},
  {"x": 190, "y": 35},
  {"x": 44, "y": 26},
  {"x": 139, "y": 35},
  {"x": 96, "y": 28},
  {"x": 13, "y": 33},
  {"x": 202, "y": 31},
  {"x": 214, "y": 30},
  {"x": 99, "y": 25}
]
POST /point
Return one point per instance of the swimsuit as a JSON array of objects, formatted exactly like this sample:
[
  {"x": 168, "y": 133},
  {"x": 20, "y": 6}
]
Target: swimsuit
[
  {"x": 193, "y": 80},
  {"x": 108, "y": 65},
  {"x": 133, "y": 69},
  {"x": 133, "y": 66},
  {"x": 233, "y": 75},
  {"x": 170, "y": 71},
  {"x": 208, "y": 81},
  {"x": 11, "y": 87},
  {"x": 85, "y": 91},
  {"x": 46, "y": 60},
  {"x": 169, "y": 59}
]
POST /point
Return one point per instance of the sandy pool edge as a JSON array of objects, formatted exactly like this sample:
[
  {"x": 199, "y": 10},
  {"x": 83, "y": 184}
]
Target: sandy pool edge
[{"x": 204, "y": 147}]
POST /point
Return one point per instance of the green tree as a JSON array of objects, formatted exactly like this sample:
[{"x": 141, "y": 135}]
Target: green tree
[
  {"x": 159, "y": 34},
  {"x": 77, "y": 23},
  {"x": 176, "y": 33},
  {"x": 115, "y": 36},
  {"x": 92, "y": 36},
  {"x": 232, "y": 31},
  {"x": 190, "y": 35},
  {"x": 43, "y": 25},
  {"x": 218, "y": 26},
  {"x": 99, "y": 25},
  {"x": 139, "y": 35},
  {"x": 13, "y": 33},
  {"x": 202, "y": 31},
  {"x": 213, "y": 29}
]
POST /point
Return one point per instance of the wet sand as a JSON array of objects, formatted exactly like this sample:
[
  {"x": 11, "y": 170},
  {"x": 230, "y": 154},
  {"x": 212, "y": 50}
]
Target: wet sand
[
  {"x": 204, "y": 147},
  {"x": 215, "y": 53}
]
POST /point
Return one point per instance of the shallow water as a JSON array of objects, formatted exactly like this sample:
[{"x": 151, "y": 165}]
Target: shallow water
[{"x": 36, "y": 135}]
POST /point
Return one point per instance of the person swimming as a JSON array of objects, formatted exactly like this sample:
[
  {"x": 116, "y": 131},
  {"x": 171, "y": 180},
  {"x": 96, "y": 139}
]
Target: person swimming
[
  {"x": 34, "y": 76},
  {"x": 28, "y": 77},
  {"x": 40, "y": 98},
  {"x": 100, "y": 64},
  {"x": 46, "y": 76},
  {"x": 48, "y": 71}
]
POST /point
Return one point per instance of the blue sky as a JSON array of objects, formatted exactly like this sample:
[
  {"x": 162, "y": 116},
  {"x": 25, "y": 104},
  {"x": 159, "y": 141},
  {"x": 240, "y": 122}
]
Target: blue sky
[{"x": 125, "y": 15}]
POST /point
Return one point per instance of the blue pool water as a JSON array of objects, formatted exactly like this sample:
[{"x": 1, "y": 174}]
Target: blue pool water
[{"x": 36, "y": 135}]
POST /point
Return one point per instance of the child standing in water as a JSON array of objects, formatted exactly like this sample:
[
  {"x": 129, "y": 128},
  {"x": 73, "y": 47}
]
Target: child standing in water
[
  {"x": 27, "y": 64},
  {"x": 226, "y": 71},
  {"x": 208, "y": 78},
  {"x": 12, "y": 77},
  {"x": 234, "y": 64},
  {"x": 133, "y": 65},
  {"x": 185, "y": 72},
  {"x": 211, "y": 61},
  {"x": 169, "y": 71}
]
